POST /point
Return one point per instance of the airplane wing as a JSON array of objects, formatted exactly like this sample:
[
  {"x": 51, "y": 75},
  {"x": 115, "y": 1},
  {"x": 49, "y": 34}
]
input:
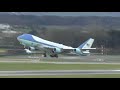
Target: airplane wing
[
  {"x": 50, "y": 49},
  {"x": 60, "y": 48},
  {"x": 64, "y": 49}
]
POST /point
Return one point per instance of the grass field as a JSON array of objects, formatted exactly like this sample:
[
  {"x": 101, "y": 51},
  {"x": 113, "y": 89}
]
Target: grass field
[
  {"x": 40, "y": 66},
  {"x": 69, "y": 76},
  {"x": 50, "y": 66},
  {"x": 2, "y": 50}
]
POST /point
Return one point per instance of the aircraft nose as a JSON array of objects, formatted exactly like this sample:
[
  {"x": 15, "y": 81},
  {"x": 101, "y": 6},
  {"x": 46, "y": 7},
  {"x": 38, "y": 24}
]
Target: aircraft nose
[{"x": 19, "y": 37}]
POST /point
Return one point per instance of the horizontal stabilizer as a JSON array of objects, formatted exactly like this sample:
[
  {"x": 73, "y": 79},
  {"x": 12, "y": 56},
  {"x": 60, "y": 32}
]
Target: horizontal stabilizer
[{"x": 88, "y": 48}]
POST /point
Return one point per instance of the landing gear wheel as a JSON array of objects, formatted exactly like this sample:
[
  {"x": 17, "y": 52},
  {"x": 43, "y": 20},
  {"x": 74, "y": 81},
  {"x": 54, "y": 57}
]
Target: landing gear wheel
[
  {"x": 45, "y": 55},
  {"x": 51, "y": 55},
  {"x": 55, "y": 55}
]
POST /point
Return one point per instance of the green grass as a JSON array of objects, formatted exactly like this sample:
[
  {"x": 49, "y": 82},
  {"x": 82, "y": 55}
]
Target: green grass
[
  {"x": 69, "y": 76},
  {"x": 3, "y": 50},
  {"x": 40, "y": 66}
]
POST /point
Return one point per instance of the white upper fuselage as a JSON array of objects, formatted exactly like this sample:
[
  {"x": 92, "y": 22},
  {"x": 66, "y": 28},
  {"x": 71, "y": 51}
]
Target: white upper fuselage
[{"x": 31, "y": 40}]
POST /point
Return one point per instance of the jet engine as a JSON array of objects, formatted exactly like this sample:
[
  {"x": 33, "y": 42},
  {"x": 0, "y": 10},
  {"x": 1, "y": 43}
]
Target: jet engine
[
  {"x": 31, "y": 48},
  {"x": 78, "y": 51},
  {"x": 57, "y": 50},
  {"x": 28, "y": 51}
]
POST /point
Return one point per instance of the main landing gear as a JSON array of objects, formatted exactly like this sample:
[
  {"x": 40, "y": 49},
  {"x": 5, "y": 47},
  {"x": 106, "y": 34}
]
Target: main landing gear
[
  {"x": 54, "y": 55},
  {"x": 45, "y": 55}
]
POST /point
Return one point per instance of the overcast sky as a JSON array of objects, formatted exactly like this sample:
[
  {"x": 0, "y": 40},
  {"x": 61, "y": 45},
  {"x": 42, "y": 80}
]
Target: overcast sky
[{"x": 114, "y": 14}]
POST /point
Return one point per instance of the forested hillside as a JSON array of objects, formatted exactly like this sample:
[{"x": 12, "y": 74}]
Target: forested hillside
[{"x": 103, "y": 22}]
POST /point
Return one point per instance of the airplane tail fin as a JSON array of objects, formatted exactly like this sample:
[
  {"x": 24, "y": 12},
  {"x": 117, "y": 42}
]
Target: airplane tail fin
[{"x": 87, "y": 44}]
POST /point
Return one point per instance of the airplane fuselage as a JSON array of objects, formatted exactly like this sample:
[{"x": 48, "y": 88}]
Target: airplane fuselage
[{"x": 34, "y": 42}]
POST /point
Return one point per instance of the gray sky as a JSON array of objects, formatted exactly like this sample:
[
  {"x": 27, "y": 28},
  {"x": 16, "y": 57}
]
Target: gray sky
[{"x": 114, "y": 14}]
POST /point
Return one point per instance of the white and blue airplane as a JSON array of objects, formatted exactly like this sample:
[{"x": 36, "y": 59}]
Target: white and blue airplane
[{"x": 32, "y": 43}]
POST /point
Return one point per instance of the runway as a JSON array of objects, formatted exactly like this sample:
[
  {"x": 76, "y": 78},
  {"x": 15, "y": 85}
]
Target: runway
[
  {"x": 93, "y": 58},
  {"x": 63, "y": 59},
  {"x": 53, "y": 62},
  {"x": 56, "y": 72}
]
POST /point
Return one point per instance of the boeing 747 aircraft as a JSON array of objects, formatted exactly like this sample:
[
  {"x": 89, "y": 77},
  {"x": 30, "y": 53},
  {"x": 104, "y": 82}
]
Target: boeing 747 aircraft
[{"x": 32, "y": 42}]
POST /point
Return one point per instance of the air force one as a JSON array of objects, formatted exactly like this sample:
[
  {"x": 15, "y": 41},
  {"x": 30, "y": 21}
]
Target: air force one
[{"x": 32, "y": 43}]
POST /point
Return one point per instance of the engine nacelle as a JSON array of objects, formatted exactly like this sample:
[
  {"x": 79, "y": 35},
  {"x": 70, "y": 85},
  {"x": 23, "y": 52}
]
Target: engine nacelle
[
  {"x": 28, "y": 51},
  {"x": 31, "y": 48},
  {"x": 78, "y": 51},
  {"x": 57, "y": 50}
]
